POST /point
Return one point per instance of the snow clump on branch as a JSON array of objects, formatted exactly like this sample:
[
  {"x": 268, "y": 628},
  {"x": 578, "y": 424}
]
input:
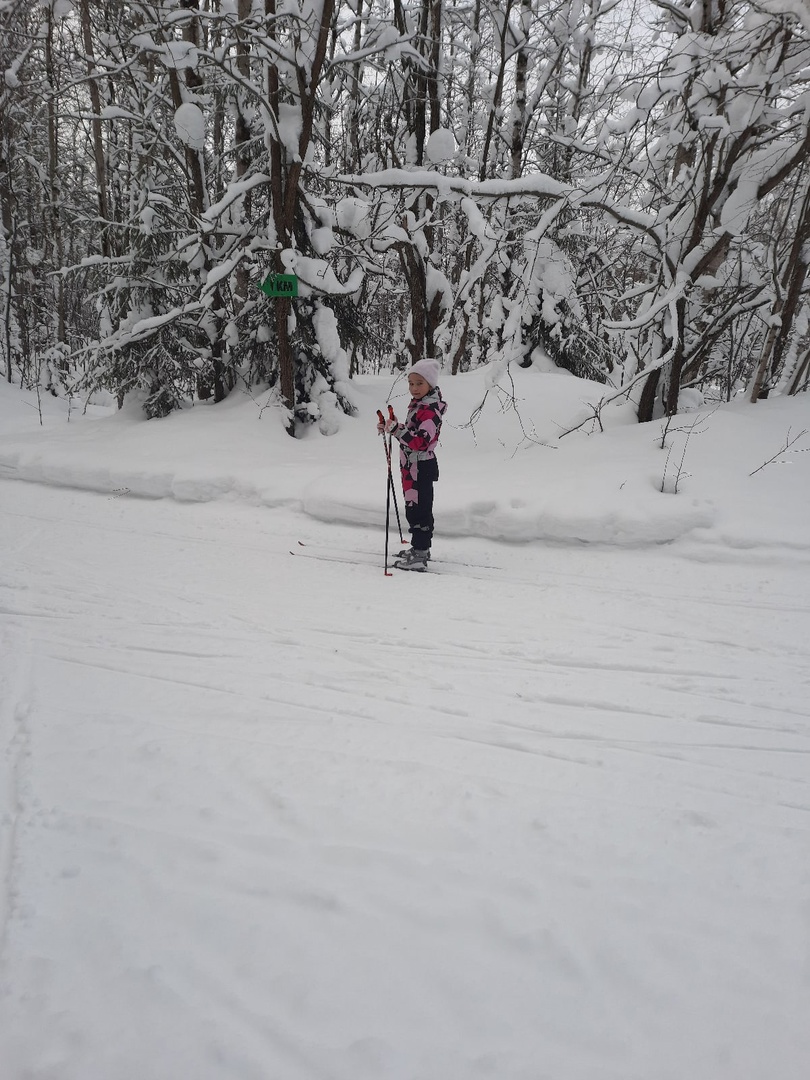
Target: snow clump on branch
[{"x": 190, "y": 125}]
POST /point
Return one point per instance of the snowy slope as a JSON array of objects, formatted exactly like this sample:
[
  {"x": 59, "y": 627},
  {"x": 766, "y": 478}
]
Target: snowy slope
[
  {"x": 266, "y": 816},
  {"x": 507, "y": 475}
]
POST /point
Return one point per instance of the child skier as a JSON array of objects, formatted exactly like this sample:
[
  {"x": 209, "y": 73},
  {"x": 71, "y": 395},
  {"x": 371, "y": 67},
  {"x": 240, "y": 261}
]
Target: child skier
[{"x": 417, "y": 438}]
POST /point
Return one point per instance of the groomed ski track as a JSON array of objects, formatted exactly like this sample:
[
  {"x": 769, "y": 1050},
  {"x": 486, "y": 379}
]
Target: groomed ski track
[{"x": 268, "y": 818}]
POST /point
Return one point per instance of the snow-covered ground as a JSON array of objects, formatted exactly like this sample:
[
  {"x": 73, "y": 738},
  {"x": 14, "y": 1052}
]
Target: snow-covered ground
[{"x": 268, "y": 817}]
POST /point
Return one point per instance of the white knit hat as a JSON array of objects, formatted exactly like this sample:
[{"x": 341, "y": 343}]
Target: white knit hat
[{"x": 428, "y": 369}]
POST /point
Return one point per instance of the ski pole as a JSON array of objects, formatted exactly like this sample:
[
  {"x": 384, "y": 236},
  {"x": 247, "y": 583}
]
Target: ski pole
[
  {"x": 393, "y": 488},
  {"x": 387, "y": 447},
  {"x": 387, "y": 494}
]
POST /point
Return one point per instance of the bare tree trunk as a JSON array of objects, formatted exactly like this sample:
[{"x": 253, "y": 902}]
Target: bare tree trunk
[
  {"x": 787, "y": 304},
  {"x": 414, "y": 270},
  {"x": 646, "y": 404},
  {"x": 801, "y": 375},
  {"x": 435, "y": 60},
  {"x": 195, "y": 161},
  {"x": 355, "y": 156},
  {"x": 99, "y": 158},
  {"x": 466, "y": 263},
  {"x": 54, "y": 185},
  {"x": 10, "y": 237},
  {"x": 281, "y": 305},
  {"x": 241, "y": 144},
  {"x": 521, "y": 73},
  {"x": 488, "y": 168},
  {"x": 580, "y": 90},
  {"x": 517, "y": 136},
  {"x": 285, "y": 178},
  {"x": 679, "y": 358},
  {"x": 198, "y": 204},
  {"x": 758, "y": 384},
  {"x": 421, "y": 89},
  {"x": 433, "y": 311},
  {"x": 8, "y": 224}
]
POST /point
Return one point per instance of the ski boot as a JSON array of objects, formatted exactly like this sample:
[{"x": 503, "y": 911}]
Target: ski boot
[
  {"x": 413, "y": 560},
  {"x": 408, "y": 551}
]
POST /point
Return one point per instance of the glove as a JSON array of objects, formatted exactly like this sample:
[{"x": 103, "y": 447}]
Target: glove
[{"x": 387, "y": 426}]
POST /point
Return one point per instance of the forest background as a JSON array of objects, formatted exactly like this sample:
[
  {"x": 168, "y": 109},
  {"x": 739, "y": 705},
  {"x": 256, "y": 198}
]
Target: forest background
[{"x": 621, "y": 185}]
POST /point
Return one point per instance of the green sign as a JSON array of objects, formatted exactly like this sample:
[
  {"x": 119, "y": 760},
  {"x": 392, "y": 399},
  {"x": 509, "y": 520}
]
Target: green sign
[{"x": 280, "y": 285}]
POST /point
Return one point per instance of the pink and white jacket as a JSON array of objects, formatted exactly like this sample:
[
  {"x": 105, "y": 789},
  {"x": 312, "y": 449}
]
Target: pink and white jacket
[{"x": 418, "y": 437}]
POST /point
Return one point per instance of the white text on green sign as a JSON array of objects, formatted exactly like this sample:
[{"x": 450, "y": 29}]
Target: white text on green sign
[{"x": 280, "y": 285}]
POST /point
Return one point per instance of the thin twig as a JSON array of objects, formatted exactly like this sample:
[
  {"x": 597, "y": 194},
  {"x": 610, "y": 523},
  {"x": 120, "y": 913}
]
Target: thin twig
[{"x": 788, "y": 443}]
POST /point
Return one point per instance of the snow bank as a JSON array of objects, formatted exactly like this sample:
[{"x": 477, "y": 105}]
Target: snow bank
[
  {"x": 274, "y": 816},
  {"x": 509, "y": 471}
]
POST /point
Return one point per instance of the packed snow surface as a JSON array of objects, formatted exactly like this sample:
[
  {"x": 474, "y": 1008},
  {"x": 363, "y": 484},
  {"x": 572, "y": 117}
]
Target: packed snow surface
[{"x": 274, "y": 816}]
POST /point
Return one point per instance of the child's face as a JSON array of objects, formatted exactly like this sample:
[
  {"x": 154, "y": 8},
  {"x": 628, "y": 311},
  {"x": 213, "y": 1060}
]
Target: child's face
[{"x": 418, "y": 387}]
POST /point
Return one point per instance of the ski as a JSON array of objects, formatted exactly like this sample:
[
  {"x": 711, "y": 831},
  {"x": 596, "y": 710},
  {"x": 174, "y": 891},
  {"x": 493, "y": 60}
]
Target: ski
[
  {"x": 317, "y": 549},
  {"x": 330, "y": 558},
  {"x": 373, "y": 559}
]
